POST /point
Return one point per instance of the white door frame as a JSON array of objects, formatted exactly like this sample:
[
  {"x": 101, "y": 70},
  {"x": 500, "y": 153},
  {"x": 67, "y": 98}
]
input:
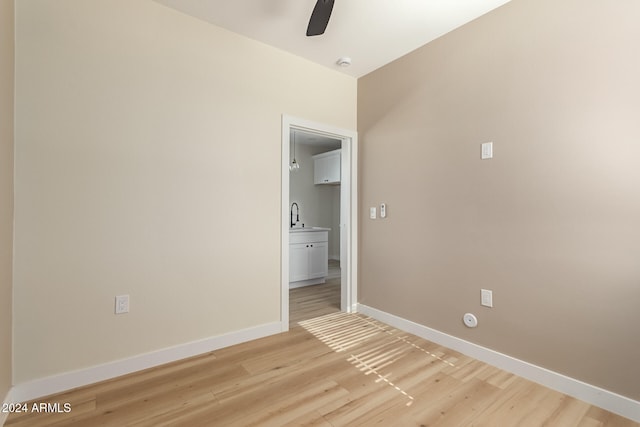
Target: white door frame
[{"x": 348, "y": 212}]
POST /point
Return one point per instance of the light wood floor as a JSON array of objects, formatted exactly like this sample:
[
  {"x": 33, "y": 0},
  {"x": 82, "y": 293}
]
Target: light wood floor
[
  {"x": 313, "y": 301},
  {"x": 335, "y": 370}
]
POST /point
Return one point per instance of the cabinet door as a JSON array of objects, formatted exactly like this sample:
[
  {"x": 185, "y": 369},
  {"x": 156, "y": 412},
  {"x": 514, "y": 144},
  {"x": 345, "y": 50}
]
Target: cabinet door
[
  {"x": 318, "y": 259},
  {"x": 326, "y": 168},
  {"x": 298, "y": 262},
  {"x": 333, "y": 168},
  {"x": 320, "y": 169}
]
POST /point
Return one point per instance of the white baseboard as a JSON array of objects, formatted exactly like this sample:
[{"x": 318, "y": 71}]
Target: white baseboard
[
  {"x": 69, "y": 380},
  {"x": 596, "y": 396},
  {"x": 310, "y": 282}
]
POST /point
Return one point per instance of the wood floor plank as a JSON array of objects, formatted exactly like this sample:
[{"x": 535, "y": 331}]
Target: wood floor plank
[
  {"x": 80, "y": 409},
  {"x": 295, "y": 405},
  {"x": 370, "y": 402},
  {"x": 312, "y": 419},
  {"x": 609, "y": 419},
  {"x": 313, "y": 301}
]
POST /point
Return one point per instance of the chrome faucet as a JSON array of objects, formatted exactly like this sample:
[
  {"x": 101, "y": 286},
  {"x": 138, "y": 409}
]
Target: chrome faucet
[{"x": 297, "y": 214}]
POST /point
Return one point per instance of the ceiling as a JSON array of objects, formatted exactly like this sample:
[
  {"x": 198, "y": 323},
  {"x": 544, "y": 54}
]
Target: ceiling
[
  {"x": 371, "y": 32},
  {"x": 317, "y": 140}
]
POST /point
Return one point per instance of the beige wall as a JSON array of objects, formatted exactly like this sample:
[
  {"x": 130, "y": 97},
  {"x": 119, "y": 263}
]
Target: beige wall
[
  {"x": 146, "y": 142},
  {"x": 551, "y": 224},
  {"x": 6, "y": 190}
]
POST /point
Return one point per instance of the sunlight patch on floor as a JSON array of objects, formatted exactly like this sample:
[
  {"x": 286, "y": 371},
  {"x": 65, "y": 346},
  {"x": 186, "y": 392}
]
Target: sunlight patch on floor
[{"x": 343, "y": 332}]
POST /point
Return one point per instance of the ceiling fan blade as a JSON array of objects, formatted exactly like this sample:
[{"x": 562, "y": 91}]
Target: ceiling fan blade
[{"x": 320, "y": 17}]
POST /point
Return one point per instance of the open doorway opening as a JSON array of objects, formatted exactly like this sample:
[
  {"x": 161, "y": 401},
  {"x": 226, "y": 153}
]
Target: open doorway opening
[
  {"x": 319, "y": 197},
  {"x": 314, "y": 236}
]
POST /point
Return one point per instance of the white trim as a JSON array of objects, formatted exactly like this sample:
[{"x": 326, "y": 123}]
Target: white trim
[
  {"x": 308, "y": 282},
  {"x": 348, "y": 211},
  {"x": 69, "y": 380},
  {"x": 349, "y": 223},
  {"x": 284, "y": 226},
  {"x": 596, "y": 396}
]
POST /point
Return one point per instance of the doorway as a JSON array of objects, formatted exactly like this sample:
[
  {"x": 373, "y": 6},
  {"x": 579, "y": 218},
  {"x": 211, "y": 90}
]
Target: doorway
[{"x": 346, "y": 140}]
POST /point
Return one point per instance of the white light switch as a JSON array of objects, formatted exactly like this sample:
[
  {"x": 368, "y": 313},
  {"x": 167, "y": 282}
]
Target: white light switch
[
  {"x": 487, "y": 150},
  {"x": 122, "y": 304},
  {"x": 486, "y": 297},
  {"x": 372, "y": 212}
]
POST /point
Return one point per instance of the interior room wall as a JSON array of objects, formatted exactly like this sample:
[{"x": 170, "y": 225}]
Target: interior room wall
[
  {"x": 302, "y": 190},
  {"x": 317, "y": 203},
  {"x": 148, "y": 163},
  {"x": 551, "y": 224},
  {"x": 6, "y": 191}
]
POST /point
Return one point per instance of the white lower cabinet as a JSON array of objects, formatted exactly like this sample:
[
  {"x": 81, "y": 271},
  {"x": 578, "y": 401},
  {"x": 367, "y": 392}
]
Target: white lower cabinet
[
  {"x": 298, "y": 262},
  {"x": 318, "y": 260},
  {"x": 308, "y": 258}
]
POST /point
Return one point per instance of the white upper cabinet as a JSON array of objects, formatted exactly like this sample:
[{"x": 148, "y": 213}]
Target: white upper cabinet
[{"x": 326, "y": 167}]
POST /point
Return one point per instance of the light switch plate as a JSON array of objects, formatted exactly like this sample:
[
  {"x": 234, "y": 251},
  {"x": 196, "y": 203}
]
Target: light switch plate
[
  {"x": 486, "y": 297},
  {"x": 122, "y": 304},
  {"x": 487, "y": 151},
  {"x": 372, "y": 212}
]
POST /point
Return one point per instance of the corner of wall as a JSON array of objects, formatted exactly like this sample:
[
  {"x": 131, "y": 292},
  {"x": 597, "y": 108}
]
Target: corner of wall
[{"x": 7, "y": 107}]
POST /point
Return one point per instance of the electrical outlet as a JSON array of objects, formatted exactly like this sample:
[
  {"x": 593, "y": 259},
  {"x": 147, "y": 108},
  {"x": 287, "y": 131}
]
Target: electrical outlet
[
  {"x": 486, "y": 297},
  {"x": 122, "y": 304}
]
